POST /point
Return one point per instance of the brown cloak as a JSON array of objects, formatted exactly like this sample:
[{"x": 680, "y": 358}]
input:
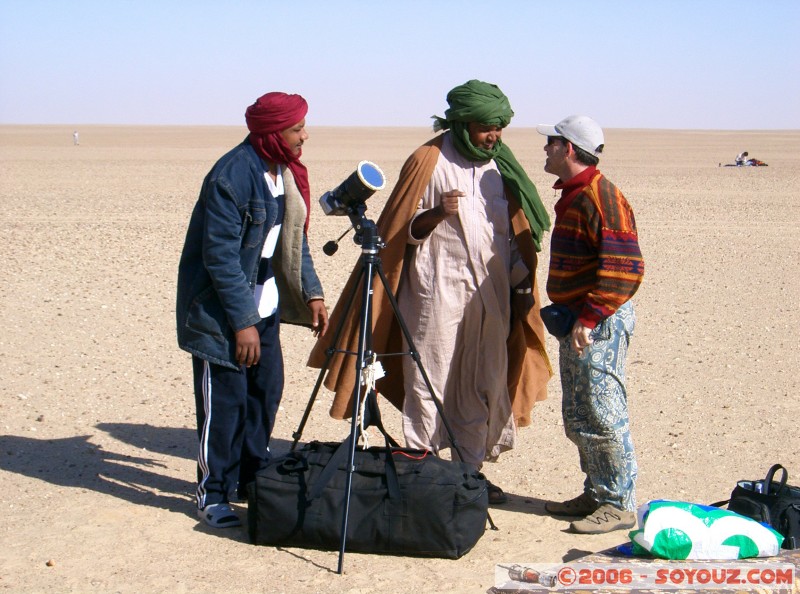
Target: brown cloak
[{"x": 528, "y": 366}]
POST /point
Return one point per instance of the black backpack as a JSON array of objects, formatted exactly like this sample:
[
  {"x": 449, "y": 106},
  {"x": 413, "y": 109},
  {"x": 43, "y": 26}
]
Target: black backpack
[{"x": 771, "y": 502}]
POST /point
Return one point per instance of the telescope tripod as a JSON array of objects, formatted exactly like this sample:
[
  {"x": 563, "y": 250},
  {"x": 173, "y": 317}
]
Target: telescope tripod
[{"x": 364, "y": 406}]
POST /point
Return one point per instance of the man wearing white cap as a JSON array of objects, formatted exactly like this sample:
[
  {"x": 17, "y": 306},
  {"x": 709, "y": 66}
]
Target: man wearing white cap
[{"x": 595, "y": 268}]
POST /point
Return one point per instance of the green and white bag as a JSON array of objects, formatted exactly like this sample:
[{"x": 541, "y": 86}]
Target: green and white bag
[{"x": 681, "y": 530}]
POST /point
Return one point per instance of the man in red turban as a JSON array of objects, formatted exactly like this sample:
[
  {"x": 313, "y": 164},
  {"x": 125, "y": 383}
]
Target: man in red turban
[
  {"x": 245, "y": 268},
  {"x": 266, "y": 119}
]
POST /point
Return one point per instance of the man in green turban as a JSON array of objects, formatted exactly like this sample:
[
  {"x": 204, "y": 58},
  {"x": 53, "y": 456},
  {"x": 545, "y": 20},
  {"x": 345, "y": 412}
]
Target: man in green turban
[
  {"x": 478, "y": 103},
  {"x": 461, "y": 228}
]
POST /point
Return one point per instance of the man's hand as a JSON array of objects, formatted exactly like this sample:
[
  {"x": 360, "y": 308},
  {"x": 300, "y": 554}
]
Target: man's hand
[
  {"x": 427, "y": 221},
  {"x": 319, "y": 317},
  {"x": 579, "y": 338},
  {"x": 449, "y": 202},
  {"x": 248, "y": 346}
]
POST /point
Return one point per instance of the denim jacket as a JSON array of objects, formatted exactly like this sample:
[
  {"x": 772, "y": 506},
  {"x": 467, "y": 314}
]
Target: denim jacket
[{"x": 219, "y": 264}]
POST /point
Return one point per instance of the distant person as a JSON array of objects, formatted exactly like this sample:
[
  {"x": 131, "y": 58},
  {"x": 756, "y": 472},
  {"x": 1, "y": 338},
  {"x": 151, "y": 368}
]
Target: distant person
[
  {"x": 462, "y": 226},
  {"x": 595, "y": 268},
  {"x": 75, "y": 138},
  {"x": 246, "y": 267},
  {"x": 741, "y": 159}
]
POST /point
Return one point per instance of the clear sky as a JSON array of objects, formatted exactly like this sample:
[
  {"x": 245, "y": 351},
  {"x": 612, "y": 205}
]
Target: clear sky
[{"x": 697, "y": 64}]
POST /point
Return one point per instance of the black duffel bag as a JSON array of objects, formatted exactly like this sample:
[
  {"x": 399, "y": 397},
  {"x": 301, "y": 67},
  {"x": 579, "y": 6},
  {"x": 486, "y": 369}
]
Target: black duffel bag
[
  {"x": 769, "y": 501},
  {"x": 402, "y": 501}
]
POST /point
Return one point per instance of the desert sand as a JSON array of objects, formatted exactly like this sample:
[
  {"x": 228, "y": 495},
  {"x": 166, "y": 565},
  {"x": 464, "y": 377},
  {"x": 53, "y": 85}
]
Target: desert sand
[{"x": 97, "y": 429}]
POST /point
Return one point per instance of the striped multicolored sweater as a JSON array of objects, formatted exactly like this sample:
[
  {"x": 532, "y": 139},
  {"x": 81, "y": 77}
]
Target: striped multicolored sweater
[{"x": 595, "y": 261}]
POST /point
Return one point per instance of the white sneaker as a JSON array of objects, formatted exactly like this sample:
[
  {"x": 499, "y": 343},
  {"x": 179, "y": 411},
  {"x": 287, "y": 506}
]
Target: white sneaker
[{"x": 219, "y": 515}]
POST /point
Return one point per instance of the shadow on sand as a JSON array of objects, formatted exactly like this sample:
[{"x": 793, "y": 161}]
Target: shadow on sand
[{"x": 142, "y": 479}]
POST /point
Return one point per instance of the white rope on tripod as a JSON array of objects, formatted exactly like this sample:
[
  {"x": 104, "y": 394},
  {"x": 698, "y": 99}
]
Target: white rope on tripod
[{"x": 368, "y": 380}]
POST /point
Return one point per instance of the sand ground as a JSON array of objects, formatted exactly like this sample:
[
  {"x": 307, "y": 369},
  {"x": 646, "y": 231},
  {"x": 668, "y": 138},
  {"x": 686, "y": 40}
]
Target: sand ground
[{"x": 97, "y": 439}]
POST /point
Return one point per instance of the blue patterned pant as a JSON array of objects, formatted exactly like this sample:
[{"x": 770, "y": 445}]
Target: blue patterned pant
[{"x": 595, "y": 409}]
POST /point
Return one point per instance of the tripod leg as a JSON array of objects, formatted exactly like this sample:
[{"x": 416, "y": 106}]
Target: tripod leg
[
  {"x": 364, "y": 350},
  {"x": 330, "y": 352}
]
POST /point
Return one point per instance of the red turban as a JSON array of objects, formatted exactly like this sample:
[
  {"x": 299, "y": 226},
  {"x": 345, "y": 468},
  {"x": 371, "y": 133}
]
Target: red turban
[{"x": 266, "y": 118}]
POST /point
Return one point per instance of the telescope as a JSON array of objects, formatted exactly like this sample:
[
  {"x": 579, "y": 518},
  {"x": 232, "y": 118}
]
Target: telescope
[{"x": 354, "y": 191}]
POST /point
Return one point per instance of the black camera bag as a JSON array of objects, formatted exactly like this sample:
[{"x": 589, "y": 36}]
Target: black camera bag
[
  {"x": 403, "y": 501},
  {"x": 558, "y": 319},
  {"x": 771, "y": 502}
]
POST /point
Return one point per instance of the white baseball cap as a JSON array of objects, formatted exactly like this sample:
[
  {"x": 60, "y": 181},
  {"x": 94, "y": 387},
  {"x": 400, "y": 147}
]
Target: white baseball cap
[{"x": 580, "y": 130}]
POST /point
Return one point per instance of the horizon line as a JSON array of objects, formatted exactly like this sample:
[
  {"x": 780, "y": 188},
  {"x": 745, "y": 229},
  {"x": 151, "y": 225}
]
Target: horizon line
[{"x": 394, "y": 126}]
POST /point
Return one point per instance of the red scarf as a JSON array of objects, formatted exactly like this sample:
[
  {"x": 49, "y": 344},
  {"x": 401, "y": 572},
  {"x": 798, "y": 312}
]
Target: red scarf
[
  {"x": 266, "y": 118},
  {"x": 571, "y": 188}
]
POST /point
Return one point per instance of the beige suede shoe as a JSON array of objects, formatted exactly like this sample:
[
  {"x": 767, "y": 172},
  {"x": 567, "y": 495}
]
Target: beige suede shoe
[{"x": 606, "y": 518}]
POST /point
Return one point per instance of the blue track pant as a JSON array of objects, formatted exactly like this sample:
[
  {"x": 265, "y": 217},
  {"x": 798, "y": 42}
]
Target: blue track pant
[{"x": 236, "y": 411}]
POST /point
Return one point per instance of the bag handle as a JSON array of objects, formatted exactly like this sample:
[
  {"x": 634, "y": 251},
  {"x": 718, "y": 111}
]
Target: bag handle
[
  {"x": 340, "y": 456},
  {"x": 768, "y": 480},
  {"x": 372, "y": 417},
  {"x": 767, "y": 484},
  {"x": 294, "y": 463}
]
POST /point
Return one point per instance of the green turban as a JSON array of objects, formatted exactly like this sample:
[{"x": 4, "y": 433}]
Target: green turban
[
  {"x": 485, "y": 103},
  {"x": 476, "y": 101}
]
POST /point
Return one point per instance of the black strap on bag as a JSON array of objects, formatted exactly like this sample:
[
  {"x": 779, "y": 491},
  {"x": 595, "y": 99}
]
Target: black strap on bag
[
  {"x": 768, "y": 482},
  {"x": 372, "y": 417},
  {"x": 339, "y": 457}
]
